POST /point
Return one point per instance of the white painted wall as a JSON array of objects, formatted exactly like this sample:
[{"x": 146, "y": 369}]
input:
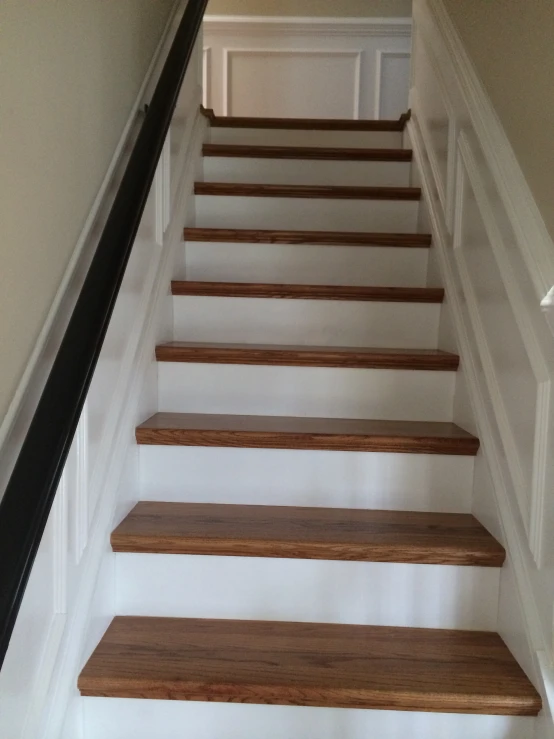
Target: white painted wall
[
  {"x": 307, "y": 67},
  {"x": 493, "y": 256},
  {"x": 70, "y": 597}
]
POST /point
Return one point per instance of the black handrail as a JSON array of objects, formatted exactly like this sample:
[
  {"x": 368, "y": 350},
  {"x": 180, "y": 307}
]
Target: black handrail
[{"x": 32, "y": 486}]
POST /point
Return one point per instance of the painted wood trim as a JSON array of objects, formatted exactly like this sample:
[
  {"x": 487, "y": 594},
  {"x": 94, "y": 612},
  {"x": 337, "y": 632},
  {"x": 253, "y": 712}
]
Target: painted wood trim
[
  {"x": 279, "y": 432},
  {"x": 334, "y": 192},
  {"x": 309, "y": 292},
  {"x": 307, "y": 356},
  {"x": 323, "y": 238}
]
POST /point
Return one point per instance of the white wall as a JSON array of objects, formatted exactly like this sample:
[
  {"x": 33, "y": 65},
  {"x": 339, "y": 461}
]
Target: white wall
[
  {"x": 493, "y": 255},
  {"x": 307, "y": 67},
  {"x": 70, "y": 596}
]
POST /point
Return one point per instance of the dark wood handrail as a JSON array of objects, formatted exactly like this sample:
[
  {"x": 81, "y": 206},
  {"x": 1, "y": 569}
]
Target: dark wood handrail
[{"x": 32, "y": 486}]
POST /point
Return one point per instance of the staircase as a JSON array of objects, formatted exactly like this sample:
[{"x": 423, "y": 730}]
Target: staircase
[{"x": 304, "y": 545}]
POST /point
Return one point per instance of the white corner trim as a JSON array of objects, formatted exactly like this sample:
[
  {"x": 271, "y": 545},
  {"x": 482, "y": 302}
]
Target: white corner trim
[
  {"x": 536, "y": 245},
  {"x": 19, "y": 413},
  {"x": 307, "y": 26}
]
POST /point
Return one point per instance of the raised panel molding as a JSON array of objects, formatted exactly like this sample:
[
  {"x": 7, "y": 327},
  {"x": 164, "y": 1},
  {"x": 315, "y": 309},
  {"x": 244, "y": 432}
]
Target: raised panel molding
[
  {"x": 306, "y": 26},
  {"x": 352, "y": 79},
  {"x": 207, "y": 77},
  {"x": 371, "y": 43},
  {"x": 394, "y": 85}
]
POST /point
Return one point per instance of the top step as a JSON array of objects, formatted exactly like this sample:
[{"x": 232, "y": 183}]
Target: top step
[
  {"x": 307, "y": 132},
  {"x": 306, "y": 124}
]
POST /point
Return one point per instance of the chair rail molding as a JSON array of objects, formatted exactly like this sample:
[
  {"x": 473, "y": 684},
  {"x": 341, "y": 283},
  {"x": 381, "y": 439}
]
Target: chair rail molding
[
  {"x": 367, "y": 60},
  {"x": 496, "y": 261}
]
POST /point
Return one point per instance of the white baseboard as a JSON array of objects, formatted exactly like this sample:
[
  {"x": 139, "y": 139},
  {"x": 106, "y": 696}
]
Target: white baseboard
[{"x": 365, "y": 62}]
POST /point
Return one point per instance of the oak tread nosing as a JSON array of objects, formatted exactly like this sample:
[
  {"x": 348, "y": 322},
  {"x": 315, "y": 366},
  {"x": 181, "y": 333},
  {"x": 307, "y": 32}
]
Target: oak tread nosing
[
  {"x": 332, "y": 192},
  {"x": 282, "y": 432},
  {"x": 307, "y": 356},
  {"x": 308, "y": 664},
  {"x": 306, "y": 152},
  {"x": 320, "y": 238},
  {"x": 307, "y": 533},
  {"x": 308, "y": 292},
  {"x": 309, "y": 124}
]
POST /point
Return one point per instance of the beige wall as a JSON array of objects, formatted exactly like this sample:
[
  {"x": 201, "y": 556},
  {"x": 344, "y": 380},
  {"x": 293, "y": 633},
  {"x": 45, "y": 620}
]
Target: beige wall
[
  {"x": 352, "y": 8},
  {"x": 70, "y": 71},
  {"x": 510, "y": 43}
]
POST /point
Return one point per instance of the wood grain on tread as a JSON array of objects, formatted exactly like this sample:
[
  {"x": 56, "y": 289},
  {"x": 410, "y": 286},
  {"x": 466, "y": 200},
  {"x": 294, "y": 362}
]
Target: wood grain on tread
[
  {"x": 306, "y": 124},
  {"x": 306, "y": 152},
  {"x": 307, "y": 356},
  {"x": 329, "y": 192},
  {"x": 282, "y": 432},
  {"x": 308, "y": 664},
  {"x": 307, "y": 533},
  {"x": 323, "y": 238},
  {"x": 308, "y": 292}
]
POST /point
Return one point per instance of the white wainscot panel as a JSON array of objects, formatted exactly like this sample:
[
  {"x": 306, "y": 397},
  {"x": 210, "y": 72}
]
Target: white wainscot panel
[
  {"x": 392, "y": 83},
  {"x": 517, "y": 396},
  {"x": 430, "y": 102},
  {"x": 292, "y": 83},
  {"x": 307, "y": 67}
]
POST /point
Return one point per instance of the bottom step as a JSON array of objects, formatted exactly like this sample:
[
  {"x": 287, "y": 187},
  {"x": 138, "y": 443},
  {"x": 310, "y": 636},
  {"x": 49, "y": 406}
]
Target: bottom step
[{"x": 306, "y": 664}]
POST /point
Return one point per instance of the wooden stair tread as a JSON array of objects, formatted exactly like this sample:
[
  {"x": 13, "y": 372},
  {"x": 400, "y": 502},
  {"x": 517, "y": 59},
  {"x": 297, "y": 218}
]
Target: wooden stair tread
[
  {"x": 307, "y": 356},
  {"x": 307, "y": 533},
  {"x": 279, "y": 432},
  {"x": 306, "y": 152},
  {"x": 323, "y": 238},
  {"x": 308, "y": 664},
  {"x": 334, "y": 192},
  {"x": 309, "y": 124},
  {"x": 308, "y": 292}
]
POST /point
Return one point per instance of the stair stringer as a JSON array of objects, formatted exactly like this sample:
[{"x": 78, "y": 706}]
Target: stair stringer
[
  {"x": 119, "y": 489},
  {"x": 519, "y": 619}
]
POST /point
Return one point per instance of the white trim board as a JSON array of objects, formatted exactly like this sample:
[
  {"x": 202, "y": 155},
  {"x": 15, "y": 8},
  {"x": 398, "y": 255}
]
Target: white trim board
[
  {"x": 308, "y": 26},
  {"x": 371, "y": 39}
]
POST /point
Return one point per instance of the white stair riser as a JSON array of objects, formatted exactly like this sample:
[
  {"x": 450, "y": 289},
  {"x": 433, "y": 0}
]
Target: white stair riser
[
  {"x": 317, "y": 591},
  {"x": 306, "y": 322},
  {"x": 312, "y": 214},
  {"x": 288, "y": 137},
  {"x": 306, "y": 172},
  {"x": 410, "y": 395},
  {"x": 110, "y": 718},
  {"x": 411, "y": 482},
  {"x": 304, "y": 264}
]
